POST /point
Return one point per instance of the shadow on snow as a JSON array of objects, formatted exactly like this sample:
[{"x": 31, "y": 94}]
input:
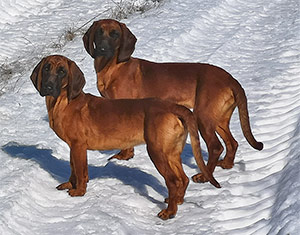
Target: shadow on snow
[{"x": 60, "y": 169}]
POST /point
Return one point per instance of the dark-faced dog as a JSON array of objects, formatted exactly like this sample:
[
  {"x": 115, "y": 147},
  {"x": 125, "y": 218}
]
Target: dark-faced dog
[
  {"x": 86, "y": 122},
  {"x": 211, "y": 92}
]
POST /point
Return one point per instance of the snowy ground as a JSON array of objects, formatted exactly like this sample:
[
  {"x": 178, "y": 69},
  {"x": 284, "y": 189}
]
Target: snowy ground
[{"x": 256, "y": 41}]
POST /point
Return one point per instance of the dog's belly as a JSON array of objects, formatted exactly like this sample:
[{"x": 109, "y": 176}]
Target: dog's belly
[{"x": 115, "y": 140}]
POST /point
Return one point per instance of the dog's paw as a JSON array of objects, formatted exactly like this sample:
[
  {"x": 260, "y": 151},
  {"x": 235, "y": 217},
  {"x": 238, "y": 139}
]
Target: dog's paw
[
  {"x": 123, "y": 155},
  {"x": 77, "y": 192},
  {"x": 63, "y": 186},
  {"x": 199, "y": 178},
  {"x": 225, "y": 164},
  {"x": 120, "y": 157},
  {"x": 165, "y": 214}
]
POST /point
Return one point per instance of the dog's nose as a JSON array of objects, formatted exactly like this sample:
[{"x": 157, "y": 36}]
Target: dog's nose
[
  {"x": 49, "y": 88},
  {"x": 102, "y": 49}
]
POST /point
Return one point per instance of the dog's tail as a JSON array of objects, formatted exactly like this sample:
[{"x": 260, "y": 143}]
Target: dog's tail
[
  {"x": 190, "y": 122},
  {"x": 241, "y": 100}
]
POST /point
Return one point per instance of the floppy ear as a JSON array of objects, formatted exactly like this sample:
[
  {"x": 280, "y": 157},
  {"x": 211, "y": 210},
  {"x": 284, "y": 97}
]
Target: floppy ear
[
  {"x": 128, "y": 41},
  {"x": 76, "y": 81},
  {"x": 88, "y": 40},
  {"x": 36, "y": 74}
]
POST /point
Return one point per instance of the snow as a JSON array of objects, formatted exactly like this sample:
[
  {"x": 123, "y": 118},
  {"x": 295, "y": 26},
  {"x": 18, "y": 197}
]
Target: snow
[{"x": 257, "y": 42}]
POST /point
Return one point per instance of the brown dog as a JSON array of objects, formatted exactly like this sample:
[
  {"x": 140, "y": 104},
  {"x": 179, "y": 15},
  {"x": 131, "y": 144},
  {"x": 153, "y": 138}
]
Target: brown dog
[
  {"x": 86, "y": 122},
  {"x": 210, "y": 91}
]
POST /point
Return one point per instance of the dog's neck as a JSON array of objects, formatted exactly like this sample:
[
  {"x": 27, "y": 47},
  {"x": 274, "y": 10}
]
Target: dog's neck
[
  {"x": 55, "y": 107},
  {"x": 104, "y": 68},
  {"x": 102, "y": 63}
]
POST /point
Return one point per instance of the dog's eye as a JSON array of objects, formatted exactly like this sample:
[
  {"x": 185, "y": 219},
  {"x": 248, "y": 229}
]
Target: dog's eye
[
  {"x": 61, "y": 72},
  {"x": 114, "y": 34},
  {"x": 100, "y": 32},
  {"x": 46, "y": 68}
]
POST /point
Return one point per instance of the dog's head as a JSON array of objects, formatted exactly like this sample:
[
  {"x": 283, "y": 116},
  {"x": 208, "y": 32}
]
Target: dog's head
[
  {"x": 55, "y": 73},
  {"x": 109, "y": 38}
]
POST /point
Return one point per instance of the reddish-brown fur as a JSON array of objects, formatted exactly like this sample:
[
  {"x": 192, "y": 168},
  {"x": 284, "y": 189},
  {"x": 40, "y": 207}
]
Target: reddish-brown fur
[
  {"x": 210, "y": 91},
  {"x": 86, "y": 122}
]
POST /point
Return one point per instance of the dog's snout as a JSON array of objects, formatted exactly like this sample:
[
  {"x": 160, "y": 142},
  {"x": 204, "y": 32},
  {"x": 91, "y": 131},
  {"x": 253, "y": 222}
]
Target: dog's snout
[
  {"x": 104, "y": 48},
  {"x": 49, "y": 87}
]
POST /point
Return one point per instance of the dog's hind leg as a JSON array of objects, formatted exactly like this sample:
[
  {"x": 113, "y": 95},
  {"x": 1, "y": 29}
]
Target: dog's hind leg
[
  {"x": 214, "y": 146},
  {"x": 165, "y": 137},
  {"x": 231, "y": 146},
  {"x": 175, "y": 179}
]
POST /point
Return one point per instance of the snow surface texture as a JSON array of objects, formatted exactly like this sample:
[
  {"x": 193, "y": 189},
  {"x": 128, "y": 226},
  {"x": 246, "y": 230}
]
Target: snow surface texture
[{"x": 256, "y": 41}]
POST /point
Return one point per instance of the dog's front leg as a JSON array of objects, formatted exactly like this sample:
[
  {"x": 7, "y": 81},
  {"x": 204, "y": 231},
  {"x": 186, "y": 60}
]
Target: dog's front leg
[
  {"x": 79, "y": 169},
  {"x": 72, "y": 180}
]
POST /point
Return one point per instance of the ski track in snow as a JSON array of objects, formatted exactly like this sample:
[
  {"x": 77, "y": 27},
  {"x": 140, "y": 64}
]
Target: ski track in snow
[{"x": 257, "y": 42}]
